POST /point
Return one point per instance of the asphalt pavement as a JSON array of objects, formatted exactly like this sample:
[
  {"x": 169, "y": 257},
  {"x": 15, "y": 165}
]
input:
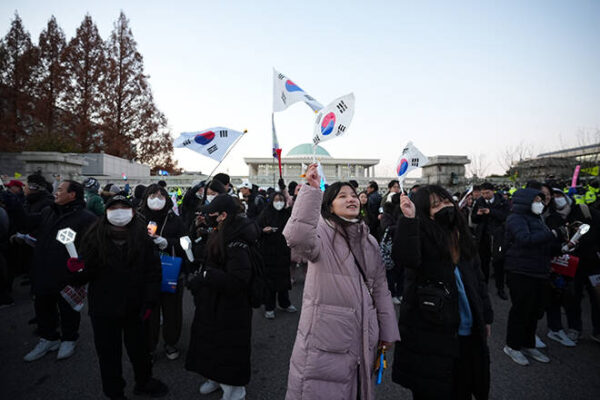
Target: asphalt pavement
[{"x": 573, "y": 373}]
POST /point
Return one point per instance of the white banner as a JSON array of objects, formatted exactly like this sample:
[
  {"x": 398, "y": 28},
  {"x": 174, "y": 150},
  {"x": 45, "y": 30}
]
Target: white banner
[
  {"x": 286, "y": 93},
  {"x": 334, "y": 120},
  {"x": 410, "y": 159},
  {"x": 212, "y": 143}
]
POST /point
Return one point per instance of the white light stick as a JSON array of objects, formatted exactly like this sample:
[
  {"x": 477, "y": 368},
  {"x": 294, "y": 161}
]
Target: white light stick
[
  {"x": 186, "y": 244},
  {"x": 67, "y": 237},
  {"x": 583, "y": 229}
]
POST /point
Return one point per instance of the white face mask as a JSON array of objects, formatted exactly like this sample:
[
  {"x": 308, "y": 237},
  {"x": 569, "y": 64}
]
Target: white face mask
[
  {"x": 119, "y": 216},
  {"x": 199, "y": 195},
  {"x": 156, "y": 203},
  {"x": 537, "y": 207},
  {"x": 278, "y": 205},
  {"x": 560, "y": 202},
  {"x": 210, "y": 198}
]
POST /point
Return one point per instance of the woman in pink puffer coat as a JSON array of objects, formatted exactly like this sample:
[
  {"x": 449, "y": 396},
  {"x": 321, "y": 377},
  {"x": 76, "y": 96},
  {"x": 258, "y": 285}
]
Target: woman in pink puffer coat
[{"x": 347, "y": 310}]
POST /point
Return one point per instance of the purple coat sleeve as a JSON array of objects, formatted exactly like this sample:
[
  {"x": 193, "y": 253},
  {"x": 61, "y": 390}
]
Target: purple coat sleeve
[{"x": 301, "y": 229}]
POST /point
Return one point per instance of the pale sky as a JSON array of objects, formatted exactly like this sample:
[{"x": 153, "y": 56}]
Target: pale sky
[{"x": 454, "y": 77}]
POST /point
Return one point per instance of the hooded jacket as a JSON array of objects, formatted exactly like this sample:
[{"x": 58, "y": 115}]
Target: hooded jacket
[
  {"x": 529, "y": 242},
  {"x": 343, "y": 318}
]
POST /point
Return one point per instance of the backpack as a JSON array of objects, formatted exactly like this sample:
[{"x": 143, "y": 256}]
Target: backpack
[
  {"x": 385, "y": 249},
  {"x": 258, "y": 289}
]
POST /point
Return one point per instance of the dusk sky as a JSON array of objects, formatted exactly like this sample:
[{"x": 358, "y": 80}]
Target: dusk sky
[{"x": 464, "y": 78}]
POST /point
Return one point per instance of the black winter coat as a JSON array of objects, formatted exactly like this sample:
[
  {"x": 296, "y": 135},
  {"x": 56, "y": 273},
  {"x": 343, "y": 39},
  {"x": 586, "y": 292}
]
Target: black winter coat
[
  {"x": 274, "y": 248},
  {"x": 530, "y": 244},
  {"x": 490, "y": 225},
  {"x": 120, "y": 287},
  {"x": 37, "y": 201},
  {"x": 220, "y": 338},
  {"x": 171, "y": 227},
  {"x": 424, "y": 358},
  {"x": 49, "y": 271}
]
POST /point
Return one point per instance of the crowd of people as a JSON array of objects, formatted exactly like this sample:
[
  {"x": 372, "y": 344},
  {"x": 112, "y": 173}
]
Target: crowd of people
[{"x": 392, "y": 271}]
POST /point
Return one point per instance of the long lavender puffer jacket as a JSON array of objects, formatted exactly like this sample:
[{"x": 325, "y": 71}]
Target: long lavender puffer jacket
[{"x": 341, "y": 322}]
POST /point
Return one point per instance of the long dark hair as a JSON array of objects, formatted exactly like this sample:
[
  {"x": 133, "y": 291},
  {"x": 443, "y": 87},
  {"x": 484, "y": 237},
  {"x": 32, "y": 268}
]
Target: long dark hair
[
  {"x": 155, "y": 187},
  {"x": 96, "y": 245},
  {"x": 459, "y": 237},
  {"x": 218, "y": 239}
]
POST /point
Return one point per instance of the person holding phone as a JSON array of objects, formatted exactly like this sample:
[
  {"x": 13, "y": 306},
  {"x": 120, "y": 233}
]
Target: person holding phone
[
  {"x": 347, "y": 310},
  {"x": 276, "y": 254}
]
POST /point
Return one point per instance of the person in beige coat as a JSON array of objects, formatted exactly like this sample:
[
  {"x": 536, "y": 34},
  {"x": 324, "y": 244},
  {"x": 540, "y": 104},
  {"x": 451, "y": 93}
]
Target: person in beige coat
[{"x": 347, "y": 310}]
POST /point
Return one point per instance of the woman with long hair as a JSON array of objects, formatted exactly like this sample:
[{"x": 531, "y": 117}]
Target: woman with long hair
[
  {"x": 220, "y": 338},
  {"x": 158, "y": 207},
  {"x": 347, "y": 310},
  {"x": 276, "y": 254},
  {"x": 122, "y": 266},
  {"x": 445, "y": 315}
]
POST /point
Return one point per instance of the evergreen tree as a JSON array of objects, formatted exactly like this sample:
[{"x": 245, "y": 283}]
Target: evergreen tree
[
  {"x": 85, "y": 64},
  {"x": 18, "y": 58}
]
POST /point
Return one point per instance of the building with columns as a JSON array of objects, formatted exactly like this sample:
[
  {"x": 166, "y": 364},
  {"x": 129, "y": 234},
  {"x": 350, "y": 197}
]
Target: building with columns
[{"x": 265, "y": 171}]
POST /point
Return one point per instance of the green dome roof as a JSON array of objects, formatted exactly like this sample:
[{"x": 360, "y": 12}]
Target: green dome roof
[{"x": 306, "y": 150}]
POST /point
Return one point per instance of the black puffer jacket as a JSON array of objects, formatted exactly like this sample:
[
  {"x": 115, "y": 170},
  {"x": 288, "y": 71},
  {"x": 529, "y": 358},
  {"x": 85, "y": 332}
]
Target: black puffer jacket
[
  {"x": 49, "y": 271},
  {"x": 529, "y": 242},
  {"x": 425, "y": 357},
  {"x": 220, "y": 338},
  {"x": 490, "y": 225},
  {"x": 36, "y": 201},
  {"x": 274, "y": 248},
  {"x": 122, "y": 284}
]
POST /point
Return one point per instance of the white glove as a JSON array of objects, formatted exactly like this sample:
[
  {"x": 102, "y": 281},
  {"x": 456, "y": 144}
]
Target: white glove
[{"x": 161, "y": 242}]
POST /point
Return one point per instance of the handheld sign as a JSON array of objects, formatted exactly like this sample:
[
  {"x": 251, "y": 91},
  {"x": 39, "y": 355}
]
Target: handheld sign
[
  {"x": 67, "y": 237},
  {"x": 186, "y": 244}
]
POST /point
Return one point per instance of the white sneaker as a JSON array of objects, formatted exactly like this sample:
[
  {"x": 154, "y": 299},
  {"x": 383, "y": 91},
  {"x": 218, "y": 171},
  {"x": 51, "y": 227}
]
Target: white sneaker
[
  {"x": 270, "y": 314},
  {"x": 40, "y": 350},
  {"x": 539, "y": 344},
  {"x": 516, "y": 356},
  {"x": 536, "y": 355},
  {"x": 396, "y": 300},
  {"x": 233, "y": 392},
  {"x": 66, "y": 350},
  {"x": 291, "y": 309},
  {"x": 562, "y": 338},
  {"x": 209, "y": 387},
  {"x": 573, "y": 334}
]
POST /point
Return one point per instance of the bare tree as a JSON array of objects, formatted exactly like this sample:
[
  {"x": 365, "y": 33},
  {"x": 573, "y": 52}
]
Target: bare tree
[
  {"x": 479, "y": 166},
  {"x": 513, "y": 154}
]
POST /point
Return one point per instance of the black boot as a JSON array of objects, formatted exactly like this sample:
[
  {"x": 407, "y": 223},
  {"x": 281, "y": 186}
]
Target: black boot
[{"x": 152, "y": 388}]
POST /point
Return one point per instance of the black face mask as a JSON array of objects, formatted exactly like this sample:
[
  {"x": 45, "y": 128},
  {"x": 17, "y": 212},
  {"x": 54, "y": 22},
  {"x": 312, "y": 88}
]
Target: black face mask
[
  {"x": 446, "y": 217},
  {"x": 211, "y": 221}
]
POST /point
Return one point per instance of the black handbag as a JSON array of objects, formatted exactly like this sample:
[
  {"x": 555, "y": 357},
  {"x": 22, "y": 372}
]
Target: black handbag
[{"x": 432, "y": 299}]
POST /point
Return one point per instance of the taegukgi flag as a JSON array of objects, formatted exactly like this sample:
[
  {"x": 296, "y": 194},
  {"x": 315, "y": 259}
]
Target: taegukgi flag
[
  {"x": 286, "y": 93},
  {"x": 334, "y": 120},
  {"x": 212, "y": 143},
  {"x": 410, "y": 159}
]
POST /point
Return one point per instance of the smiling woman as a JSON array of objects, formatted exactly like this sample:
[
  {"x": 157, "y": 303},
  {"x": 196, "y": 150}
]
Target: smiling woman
[{"x": 347, "y": 310}]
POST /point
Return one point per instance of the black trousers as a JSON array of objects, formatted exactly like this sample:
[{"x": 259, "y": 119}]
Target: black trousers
[
  {"x": 47, "y": 309},
  {"x": 471, "y": 371},
  {"x": 487, "y": 258},
  {"x": 282, "y": 297},
  {"x": 109, "y": 335},
  {"x": 573, "y": 306},
  {"x": 171, "y": 307},
  {"x": 529, "y": 299}
]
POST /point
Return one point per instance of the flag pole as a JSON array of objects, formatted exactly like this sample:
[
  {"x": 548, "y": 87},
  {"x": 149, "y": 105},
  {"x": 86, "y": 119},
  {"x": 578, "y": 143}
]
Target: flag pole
[{"x": 225, "y": 156}]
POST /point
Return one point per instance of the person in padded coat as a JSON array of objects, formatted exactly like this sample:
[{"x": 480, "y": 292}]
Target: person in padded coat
[
  {"x": 446, "y": 313},
  {"x": 220, "y": 337},
  {"x": 122, "y": 266},
  {"x": 530, "y": 245},
  {"x": 276, "y": 254},
  {"x": 157, "y": 206},
  {"x": 347, "y": 310}
]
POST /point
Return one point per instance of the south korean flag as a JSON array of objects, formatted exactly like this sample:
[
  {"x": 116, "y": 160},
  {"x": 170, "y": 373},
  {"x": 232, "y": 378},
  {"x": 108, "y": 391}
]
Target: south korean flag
[{"x": 213, "y": 143}]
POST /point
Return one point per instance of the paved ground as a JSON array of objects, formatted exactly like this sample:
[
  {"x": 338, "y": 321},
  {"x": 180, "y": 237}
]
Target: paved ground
[{"x": 572, "y": 374}]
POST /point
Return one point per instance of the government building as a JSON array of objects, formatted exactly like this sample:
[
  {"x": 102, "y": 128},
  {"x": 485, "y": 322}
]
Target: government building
[{"x": 265, "y": 171}]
